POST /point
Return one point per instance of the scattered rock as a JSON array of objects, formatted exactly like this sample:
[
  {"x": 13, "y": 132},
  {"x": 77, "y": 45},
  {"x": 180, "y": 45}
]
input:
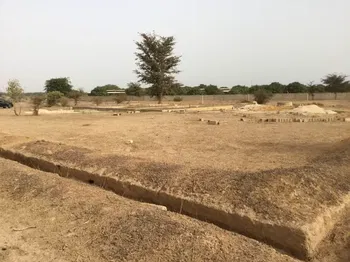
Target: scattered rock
[
  {"x": 130, "y": 141},
  {"x": 254, "y": 103},
  {"x": 117, "y": 114},
  {"x": 201, "y": 119},
  {"x": 137, "y": 112},
  {"x": 49, "y": 152},
  {"x": 347, "y": 119}
]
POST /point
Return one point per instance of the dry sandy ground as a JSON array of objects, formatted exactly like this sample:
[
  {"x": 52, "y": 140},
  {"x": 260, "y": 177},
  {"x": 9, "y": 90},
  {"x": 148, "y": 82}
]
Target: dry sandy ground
[
  {"x": 181, "y": 139},
  {"x": 287, "y": 172},
  {"x": 48, "y": 218}
]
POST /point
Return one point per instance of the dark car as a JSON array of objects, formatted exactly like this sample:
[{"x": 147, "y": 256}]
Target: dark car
[{"x": 5, "y": 104}]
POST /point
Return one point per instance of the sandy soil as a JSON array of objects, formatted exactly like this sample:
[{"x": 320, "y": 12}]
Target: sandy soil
[
  {"x": 182, "y": 139},
  {"x": 45, "y": 218},
  {"x": 287, "y": 172}
]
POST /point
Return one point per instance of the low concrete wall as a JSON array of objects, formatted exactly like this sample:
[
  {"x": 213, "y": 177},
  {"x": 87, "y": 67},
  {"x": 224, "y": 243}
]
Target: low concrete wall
[{"x": 239, "y": 97}]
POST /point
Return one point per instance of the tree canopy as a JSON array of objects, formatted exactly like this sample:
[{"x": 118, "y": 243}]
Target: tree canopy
[
  {"x": 14, "y": 90},
  {"x": 134, "y": 89},
  {"x": 156, "y": 63},
  {"x": 336, "y": 83},
  {"x": 62, "y": 85},
  {"x": 102, "y": 90}
]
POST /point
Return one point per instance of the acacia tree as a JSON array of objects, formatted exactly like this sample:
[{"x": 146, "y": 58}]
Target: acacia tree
[
  {"x": 15, "y": 92},
  {"x": 335, "y": 83},
  {"x": 157, "y": 64}
]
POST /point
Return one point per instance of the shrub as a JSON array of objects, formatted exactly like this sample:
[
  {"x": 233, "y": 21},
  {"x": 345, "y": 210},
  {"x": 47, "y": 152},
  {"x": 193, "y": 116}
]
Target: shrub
[
  {"x": 53, "y": 98},
  {"x": 262, "y": 96},
  {"x": 97, "y": 100},
  {"x": 76, "y": 95},
  {"x": 120, "y": 98},
  {"x": 64, "y": 101},
  {"x": 178, "y": 99},
  {"x": 36, "y": 103}
]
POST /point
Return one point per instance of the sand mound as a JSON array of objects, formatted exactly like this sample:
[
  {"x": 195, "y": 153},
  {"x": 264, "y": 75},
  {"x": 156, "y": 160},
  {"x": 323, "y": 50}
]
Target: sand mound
[{"x": 312, "y": 109}]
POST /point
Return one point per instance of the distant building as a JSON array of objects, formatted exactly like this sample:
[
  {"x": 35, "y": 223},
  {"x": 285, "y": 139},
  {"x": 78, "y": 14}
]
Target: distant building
[
  {"x": 225, "y": 89},
  {"x": 115, "y": 92}
]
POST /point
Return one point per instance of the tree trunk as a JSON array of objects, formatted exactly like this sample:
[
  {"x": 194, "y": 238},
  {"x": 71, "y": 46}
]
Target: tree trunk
[
  {"x": 35, "y": 111},
  {"x": 15, "y": 110},
  {"x": 160, "y": 99}
]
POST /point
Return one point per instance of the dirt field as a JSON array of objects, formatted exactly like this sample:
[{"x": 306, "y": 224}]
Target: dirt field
[
  {"x": 290, "y": 180},
  {"x": 45, "y": 218}
]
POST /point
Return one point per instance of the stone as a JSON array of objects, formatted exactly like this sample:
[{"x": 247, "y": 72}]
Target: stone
[
  {"x": 201, "y": 119},
  {"x": 347, "y": 119},
  {"x": 213, "y": 122}
]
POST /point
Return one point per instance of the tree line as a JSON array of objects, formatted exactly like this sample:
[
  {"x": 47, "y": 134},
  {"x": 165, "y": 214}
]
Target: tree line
[{"x": 156, "y": 70}]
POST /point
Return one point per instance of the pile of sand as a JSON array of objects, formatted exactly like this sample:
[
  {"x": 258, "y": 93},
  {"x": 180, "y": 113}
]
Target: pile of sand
[
  {"x": 312, "y": 109},
  {"x": 250, "y": 107}
]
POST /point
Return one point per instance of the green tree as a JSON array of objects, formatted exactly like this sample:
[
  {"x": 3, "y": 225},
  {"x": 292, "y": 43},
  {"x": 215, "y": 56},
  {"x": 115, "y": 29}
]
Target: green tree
[
  {"x": 134, "y": 89},
  {"x": 62, "y": 85},
  {"x": 76, "y": 95},
  {"x": 156, "y": 63},
  {"x": 239, "y": 90},
  {"x": 102, "y": 90},
  {"x": 175, "y": 89},
  {"x": 276, "y": 87},
  {"x": 53, "y": 97},
  {"x": 336, "y": 84},
  {"x": 212, "y": 90},
  {"x": 296, "y": 87},
  {"x": 195, "y": 91},
  {"x": 15, "y": 93}
]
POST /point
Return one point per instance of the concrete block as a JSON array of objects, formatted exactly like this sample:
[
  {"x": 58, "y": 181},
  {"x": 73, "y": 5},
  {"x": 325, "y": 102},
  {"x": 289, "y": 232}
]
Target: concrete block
[{"x": 213, "y": 122}]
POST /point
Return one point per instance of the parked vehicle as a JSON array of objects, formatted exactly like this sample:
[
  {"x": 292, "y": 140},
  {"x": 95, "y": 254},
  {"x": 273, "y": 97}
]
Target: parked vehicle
[{"x": 5, "y": 104}]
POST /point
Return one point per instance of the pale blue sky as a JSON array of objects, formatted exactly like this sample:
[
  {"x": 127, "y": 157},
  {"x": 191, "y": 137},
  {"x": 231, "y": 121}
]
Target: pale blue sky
[{"x": 223, "y": 42}]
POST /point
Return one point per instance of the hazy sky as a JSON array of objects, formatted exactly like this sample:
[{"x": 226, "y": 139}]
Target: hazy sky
[{"x": 222, "y": 42}]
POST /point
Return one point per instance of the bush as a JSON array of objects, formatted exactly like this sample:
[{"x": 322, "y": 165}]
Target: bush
[
  {"x": 97, "y": 100},
  {"x": 262, "y": 96},
  {"x": 64, "y": 101},
  {"x": 120, "y": 98},
  {"x": 76, "y": 95},
  {"x": 178, "y": 99},
  {"x": 53, "y": 98},
  {"x": 36, "y": 103}
]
